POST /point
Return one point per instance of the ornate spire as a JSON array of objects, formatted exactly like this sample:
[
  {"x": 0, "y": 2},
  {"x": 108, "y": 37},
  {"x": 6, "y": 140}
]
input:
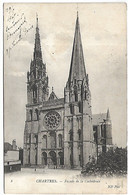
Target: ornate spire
[
  {"x": 37, "y": 48},
  {"x": 37, "y": 79},
  {"x": 77, "y": 67}
]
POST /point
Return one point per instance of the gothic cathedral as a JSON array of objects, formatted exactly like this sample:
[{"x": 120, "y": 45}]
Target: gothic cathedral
[{"x": 62, "y": 132}]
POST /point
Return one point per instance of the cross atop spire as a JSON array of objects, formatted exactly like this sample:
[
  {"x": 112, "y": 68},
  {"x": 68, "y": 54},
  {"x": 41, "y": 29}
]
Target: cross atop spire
[{"x": 77, "y": 67}]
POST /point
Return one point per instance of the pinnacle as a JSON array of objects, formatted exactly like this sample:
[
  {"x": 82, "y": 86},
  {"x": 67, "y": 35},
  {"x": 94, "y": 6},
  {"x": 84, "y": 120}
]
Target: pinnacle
[{"x": 108, "y": 115}]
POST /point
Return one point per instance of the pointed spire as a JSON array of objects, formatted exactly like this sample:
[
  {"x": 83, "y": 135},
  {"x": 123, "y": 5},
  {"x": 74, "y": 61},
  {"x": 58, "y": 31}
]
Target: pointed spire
[
  {"x": 37, "y": 48},
  {"x": 77, "y": 67},
  {"x": 108, "y": 115}
]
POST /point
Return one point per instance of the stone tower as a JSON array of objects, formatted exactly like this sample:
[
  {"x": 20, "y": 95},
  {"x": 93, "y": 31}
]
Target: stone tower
[
  {"x": 78, "y": 132},
  {"x": 37, "y": 81},
  {"x": 37, "y": 92}
]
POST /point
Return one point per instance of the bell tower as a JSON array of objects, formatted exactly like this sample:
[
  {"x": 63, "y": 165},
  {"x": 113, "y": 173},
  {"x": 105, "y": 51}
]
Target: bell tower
[
  {"x": 78, "y": 131},
  {"x": 37, "y": 92},
  {"x": 37, "y": 81}
]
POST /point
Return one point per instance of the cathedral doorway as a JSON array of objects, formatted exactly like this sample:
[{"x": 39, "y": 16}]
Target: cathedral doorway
[
  {"x": 44, "y": 158},
  {"x": 53, "y": 157}
]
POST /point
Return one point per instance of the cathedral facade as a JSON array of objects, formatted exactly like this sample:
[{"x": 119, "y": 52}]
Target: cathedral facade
[{"x": 62, "y": 132}]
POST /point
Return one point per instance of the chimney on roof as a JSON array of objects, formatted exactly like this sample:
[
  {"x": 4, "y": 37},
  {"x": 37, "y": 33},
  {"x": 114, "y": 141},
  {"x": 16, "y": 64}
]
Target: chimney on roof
[{"x": 14, "y": 146}]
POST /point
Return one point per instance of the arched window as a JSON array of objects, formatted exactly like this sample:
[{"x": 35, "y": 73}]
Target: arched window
[
  {"x": 37, "y": 114},
  {"x": 71, "y": 108},
  {"x": 30, "y": 115},
  {"x": 75, "y": 93},
  {"x": 60, "y": 140},
  {"x": 80, "y": 104},
  {"x": 35, "y": 94},
  {"x": 79, "y": 134},
  {"x": 76, "y": 96},
  {"x": 45, "y": 141},
  {"x": 71, "y": 135},
  {"x": 53, "y": 139},
  {"x": 29, "y": 138}
]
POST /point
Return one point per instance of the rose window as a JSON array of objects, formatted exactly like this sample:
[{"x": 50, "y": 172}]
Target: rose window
[{"x": 52, "y": 120}]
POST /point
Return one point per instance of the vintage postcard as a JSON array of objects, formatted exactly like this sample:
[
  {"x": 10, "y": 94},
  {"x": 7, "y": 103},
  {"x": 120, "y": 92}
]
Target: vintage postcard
[{"x": 65, "y": 98}]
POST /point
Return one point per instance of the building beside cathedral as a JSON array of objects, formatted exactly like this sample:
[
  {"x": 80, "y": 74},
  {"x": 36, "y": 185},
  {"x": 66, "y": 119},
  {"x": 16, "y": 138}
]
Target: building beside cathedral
[{"x": 62, "y": 131}]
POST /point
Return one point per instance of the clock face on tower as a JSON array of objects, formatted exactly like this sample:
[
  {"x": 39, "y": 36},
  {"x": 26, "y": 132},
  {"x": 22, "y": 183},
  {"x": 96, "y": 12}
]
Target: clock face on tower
[{"x": 52, "y": 120}]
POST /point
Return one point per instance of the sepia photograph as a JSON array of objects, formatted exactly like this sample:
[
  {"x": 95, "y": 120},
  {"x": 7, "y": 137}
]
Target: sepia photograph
[{"x": 65, "y": 122}]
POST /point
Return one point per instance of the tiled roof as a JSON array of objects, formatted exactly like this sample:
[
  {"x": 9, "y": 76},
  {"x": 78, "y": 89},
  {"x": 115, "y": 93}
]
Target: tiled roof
[{"x": 98, "y": 118}]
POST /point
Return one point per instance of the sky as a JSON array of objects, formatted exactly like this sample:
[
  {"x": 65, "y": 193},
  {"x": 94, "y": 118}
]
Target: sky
[{"x": 103, "y": 32}]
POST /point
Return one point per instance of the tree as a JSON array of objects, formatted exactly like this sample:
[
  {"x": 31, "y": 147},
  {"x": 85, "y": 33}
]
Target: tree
[{"x": 112, "y": 162}]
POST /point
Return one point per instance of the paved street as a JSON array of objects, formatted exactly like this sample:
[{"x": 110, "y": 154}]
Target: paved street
[
  {"x": 59, "y": 181},
  {"x": 25, "y": 180},
  {"x": 45, "y": 173}
]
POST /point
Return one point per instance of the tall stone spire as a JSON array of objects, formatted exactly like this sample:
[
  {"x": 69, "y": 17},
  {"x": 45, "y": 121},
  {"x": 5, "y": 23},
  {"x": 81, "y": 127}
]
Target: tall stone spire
[
  {"x": 77, "y": 67},
  {"x": 37, "y": 48},
  {"x": 79, "y": 146}
]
